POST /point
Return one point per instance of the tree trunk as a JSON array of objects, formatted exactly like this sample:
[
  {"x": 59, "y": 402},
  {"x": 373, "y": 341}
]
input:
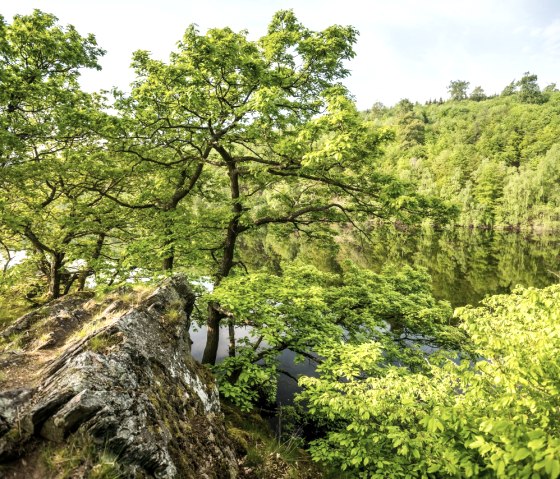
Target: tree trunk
[
  {"x": 82, "y": 279},
  {"x": 181, "y": 191},
  {"x": 212, "y": 334},
  {"x": 55, "y": 275},
  {"x": 167, "y": 264},
  {"x": 168, "y": 243},
  {"x": 228, "y": 254},
  {"x": 96, "y": 254},
  {"x": 69, "y": 283},
  {"x": 231, "y": 328}
]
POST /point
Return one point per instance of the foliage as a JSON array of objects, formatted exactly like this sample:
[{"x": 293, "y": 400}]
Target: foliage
[
  {"x": 80, "y": 456},
  {"x": 458, "y": 90},
  {"x": 529, "y": 91},
  {"x": 233, "y": 141},
  {"x": 233, "y": 136},
  {"x": 304, "y": 309},
  {"x": 229, "y": 138},
  {"x": 46, "y": 120},
  {"x": 477, "y": 94},
  {"x": 487, "y": 155},
  {"x": 493, "y": 416},
  {"x": 264, "y": 455}
]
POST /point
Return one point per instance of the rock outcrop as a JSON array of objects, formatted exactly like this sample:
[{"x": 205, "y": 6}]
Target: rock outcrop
[{"x": 128, "y": 385}]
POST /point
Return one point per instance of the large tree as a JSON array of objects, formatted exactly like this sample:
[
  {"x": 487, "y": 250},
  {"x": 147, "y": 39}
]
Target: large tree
[
  {"x": 529, "y": 90},
  {"x": 458, "y": 89},
  {"x": 43, "y": 117},
  {"x": 234, "y": 135}
]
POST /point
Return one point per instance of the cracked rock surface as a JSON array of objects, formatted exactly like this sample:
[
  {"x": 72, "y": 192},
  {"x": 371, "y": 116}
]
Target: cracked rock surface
[{"x": 132, "y": 388}]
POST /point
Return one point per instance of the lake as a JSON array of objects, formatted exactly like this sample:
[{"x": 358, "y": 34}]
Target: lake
[{"x": 465, "y": 265}]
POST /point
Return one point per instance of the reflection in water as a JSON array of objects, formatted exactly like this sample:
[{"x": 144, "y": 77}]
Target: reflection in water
[
  {"x": 287, "y": 387},
  {"x": 466, "y": 265}
]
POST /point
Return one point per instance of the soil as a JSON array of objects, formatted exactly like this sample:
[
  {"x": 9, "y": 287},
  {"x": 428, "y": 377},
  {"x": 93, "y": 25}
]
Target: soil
[{"x": 23, "y": 354}]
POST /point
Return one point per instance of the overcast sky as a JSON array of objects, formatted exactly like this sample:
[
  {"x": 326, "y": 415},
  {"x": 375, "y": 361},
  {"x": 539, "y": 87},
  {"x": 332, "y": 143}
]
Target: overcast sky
[{"x": 406, "y": 48}]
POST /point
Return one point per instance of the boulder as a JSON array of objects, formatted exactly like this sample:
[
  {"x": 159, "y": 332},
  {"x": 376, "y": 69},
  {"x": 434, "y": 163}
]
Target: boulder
[{"x": 131, "y": 388}]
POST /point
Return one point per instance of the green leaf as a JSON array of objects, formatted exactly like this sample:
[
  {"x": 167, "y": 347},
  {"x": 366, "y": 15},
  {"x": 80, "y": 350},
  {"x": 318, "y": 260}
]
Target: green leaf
[{"x": 521, "y": 454}]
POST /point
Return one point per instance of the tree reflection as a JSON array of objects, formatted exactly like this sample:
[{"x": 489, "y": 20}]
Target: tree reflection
[{"x": 465, "y": 264}]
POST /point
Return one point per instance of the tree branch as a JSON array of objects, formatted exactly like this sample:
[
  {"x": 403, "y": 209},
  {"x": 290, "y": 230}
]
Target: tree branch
[{"x": 291, "y": 217}]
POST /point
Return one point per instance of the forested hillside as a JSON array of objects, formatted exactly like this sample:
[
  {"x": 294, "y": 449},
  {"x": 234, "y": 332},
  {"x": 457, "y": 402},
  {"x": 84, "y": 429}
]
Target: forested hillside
[
  {"x": 245, "y": 165},
  {"x": 496, "y": 158}
]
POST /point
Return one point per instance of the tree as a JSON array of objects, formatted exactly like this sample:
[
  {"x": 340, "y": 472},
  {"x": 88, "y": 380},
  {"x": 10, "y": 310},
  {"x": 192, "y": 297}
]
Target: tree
[
  {"x": 529, "y": 90},
  {"x": 377, "y": 110},
  {"x": 492, "y": 413},
  {"x": 478, "y": 94},
  {"x": 471, "y": 151},
  {"x": 306, "y": 310},
  {"x": 458, "y": 90},
  {"x": 251, "y": 135},
  {"x": 510, "y": 89},
  {"x": 404, "y": 106},
  {"x": 43, "y": 115},
  {"x": 40, "y": 98},
  {"x": 411, "y": 128}
]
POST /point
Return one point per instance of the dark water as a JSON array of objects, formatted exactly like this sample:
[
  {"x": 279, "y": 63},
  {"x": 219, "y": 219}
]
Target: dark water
[
  {"x": 287, "y": 387},
  {"x": 465, "y": 266}
]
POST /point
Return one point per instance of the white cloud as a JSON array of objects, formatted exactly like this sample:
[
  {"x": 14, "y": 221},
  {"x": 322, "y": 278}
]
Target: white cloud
[
  {"x": 550, "y": 37},
  {"x": 406, "y": 48}
]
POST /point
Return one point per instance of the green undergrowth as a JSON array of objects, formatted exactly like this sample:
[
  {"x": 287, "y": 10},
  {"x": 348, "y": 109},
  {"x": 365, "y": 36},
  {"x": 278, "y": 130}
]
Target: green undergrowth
[
  {"x": 102, "y": 343},
  {"x": 266, "y": 457},
  {"x": 78, "y": 457},
  {"x": 11, "y": 309},
  {"x": 127, "y": 296},
  {"x": 131, "y": 293}
]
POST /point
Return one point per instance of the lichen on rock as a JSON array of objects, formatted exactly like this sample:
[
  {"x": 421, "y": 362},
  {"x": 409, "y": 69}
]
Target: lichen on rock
[{"x": 132, "y": 387}]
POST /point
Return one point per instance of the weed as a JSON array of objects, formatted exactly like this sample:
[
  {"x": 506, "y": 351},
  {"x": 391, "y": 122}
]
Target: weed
[
  {"x": 265, "y": 456},
  {"x": 174, "y": 313},
  {"x": 14, "y": 342},
  {"x": 11, "y": 309},
  {"x": 80, "y": 457},
  {"x": 103, "y": 342},
  {"x": 95, "y": 324},
  {"x": 106, "y": 467}
]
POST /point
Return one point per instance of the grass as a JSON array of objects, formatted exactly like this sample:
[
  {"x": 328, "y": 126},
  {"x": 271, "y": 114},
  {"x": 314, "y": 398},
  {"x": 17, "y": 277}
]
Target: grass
[
  {"x": 79, "y": 457},
  {"x": 89, "y": 327},
  {"x": 14, "y": 342},
  {"x": 103, "y": 342},
  {"x": 264, "y": 456},
  {"x": 130, "y": 295},
  {"x": 174, "y": 313},
  {"x": 11, "y": 309}
]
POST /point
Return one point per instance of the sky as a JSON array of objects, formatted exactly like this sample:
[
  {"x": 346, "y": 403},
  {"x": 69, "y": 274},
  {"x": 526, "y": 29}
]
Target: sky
[{"x": 406, "y": 48}]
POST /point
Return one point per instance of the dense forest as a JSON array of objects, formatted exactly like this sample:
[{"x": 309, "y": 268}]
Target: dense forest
[
  {"x": 495, "y": 158},
  {"x": 244, "y": 164}
]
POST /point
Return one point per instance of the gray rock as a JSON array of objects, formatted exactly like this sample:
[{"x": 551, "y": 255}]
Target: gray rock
[{"x": 134, "y": 389}]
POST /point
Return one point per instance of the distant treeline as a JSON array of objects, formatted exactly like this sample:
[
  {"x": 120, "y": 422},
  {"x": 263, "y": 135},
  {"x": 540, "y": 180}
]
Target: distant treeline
[{"x": 497, "y": 158}]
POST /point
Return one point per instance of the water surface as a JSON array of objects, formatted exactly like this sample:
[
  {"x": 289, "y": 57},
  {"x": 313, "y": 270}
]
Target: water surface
[{"x": 465, "y": 266}]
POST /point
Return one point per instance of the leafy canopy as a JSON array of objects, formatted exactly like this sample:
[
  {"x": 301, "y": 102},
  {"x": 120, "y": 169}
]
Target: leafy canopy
[
  {"x": 307, "y": 311},
  {"x": 492, "y": 415}
]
